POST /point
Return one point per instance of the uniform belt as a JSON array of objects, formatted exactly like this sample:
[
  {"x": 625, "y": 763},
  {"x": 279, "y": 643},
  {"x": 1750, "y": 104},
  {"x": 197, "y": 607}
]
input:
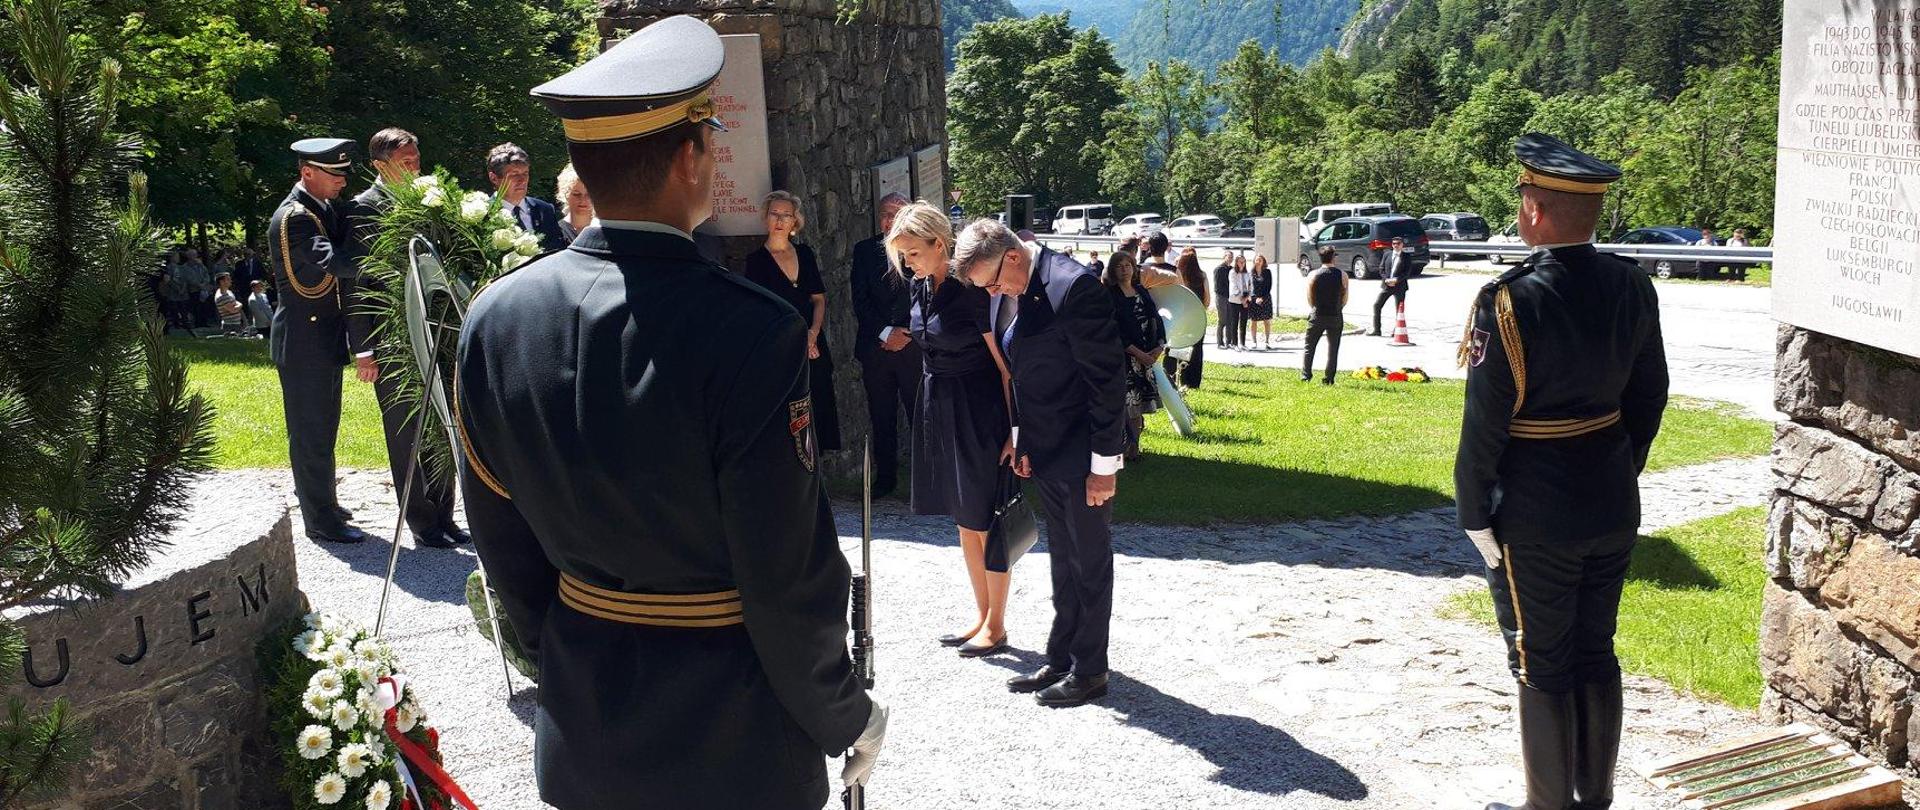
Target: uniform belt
[
  {"x": 719, "y": 609},
  {"x": 1559, "y": 428}
]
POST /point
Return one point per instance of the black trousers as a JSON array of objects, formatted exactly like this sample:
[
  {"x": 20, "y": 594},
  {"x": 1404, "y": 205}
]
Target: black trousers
[
  {"x": 1330, "y": 326},
  {"x": 1232, "y": 316},
  {"x": 310, "y": 397},
  {"x": 892, "y": 380},
  {"x": 1558, "y": 603},
  {"x": 1397, "y": 292},
  {"x": 1080, "y": 551},
  {"x": 430, "y": 498}
]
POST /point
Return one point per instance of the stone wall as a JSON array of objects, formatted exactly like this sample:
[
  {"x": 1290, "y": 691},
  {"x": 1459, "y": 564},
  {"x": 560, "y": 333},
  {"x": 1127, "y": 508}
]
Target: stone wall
[
  {"x": 1840, "y": 633},
  {"x": 165, "y": 671},
  {"x": 841, "y": 97}
]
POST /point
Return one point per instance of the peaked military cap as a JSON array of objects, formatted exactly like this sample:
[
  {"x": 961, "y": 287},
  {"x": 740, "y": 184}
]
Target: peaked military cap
[
  {"x": 331, "y": 155},
  {"x": 657, "y": 78},
  {"x": 1549, "y": 163}
]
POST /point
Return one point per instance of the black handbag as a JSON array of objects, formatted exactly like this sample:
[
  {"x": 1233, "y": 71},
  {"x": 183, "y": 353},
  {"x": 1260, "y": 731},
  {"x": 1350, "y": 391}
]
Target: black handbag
[{"x": 1014, "y": 530}]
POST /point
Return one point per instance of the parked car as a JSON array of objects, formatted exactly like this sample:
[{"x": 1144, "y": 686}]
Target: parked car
[
  {"x": 1456, "y": 227},
  {"x": 1321, "y": 215},
  {"x": 1094, "y": 218},
  {"x": 1665, "y": 235},
  {"x": 1140, "y": 225},
  {"x": 1240, "y": 230},
  {"x": 1196, "y": 226},
  {"x": 1361, "y": 244},
  {"x": 1509, "y": 235}
]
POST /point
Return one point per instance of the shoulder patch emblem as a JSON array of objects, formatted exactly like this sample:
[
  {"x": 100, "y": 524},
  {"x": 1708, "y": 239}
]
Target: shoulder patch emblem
[
  {"x": 800, "y": 424},
  {"x": 1477, "y": 350}
]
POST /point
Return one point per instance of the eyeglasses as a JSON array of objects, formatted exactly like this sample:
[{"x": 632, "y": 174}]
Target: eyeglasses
[
  {"x": 998, "y": 270},
  {"x": 782, "y": 217}
]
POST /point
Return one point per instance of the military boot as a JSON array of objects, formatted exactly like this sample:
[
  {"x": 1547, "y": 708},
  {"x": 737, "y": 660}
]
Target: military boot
[
  {"x": 1597, "y": 711},
  {"x": 1546, "y": 748}
]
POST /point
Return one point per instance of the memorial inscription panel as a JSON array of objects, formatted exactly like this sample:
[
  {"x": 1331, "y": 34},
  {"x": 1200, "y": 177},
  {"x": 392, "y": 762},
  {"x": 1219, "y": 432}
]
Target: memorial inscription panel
[{"x": 1846, "y": 224}]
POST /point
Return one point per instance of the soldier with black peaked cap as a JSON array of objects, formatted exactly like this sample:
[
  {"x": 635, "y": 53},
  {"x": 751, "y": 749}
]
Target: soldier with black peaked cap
[
  {"x": 1566, "y": 383},
  {"x": 640, "y": 477},
  {"x": 314, "y": 272}
]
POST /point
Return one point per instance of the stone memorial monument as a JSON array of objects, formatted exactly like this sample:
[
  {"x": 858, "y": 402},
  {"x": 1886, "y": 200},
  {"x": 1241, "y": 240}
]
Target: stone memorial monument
[
  {"x": 1840, "y": 634},
  {"x": 841, "y": 97}
]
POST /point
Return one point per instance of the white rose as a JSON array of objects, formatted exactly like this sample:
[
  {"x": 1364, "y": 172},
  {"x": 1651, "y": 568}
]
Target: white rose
[
  {"x": 344, "y": 716},
  {"x": 434, "y": 198},
  {"x": 379, "y": 795},
  {"x": 506, "y": 216},
  {"x": 511, "y": 261},
  {"x": 473, "y": 207},
  {"x": 330, "y": 789},
  {"x": 526, "y": 244},
  {"x": 405, "y": 719},
  {"x": 326, "y": 682},
  {"x": 317, "y": 704},
  {"x": 355, "y": 759},
  {"x": 502, "y": 238},
  {"x": 426, "y": 182},
  {"x": 315, "y": 742}
]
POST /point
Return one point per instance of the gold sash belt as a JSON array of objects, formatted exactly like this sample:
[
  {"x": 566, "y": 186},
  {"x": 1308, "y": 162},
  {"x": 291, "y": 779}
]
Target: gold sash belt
[
  {"x": 1559, "y": 428},
  {"x": 721, "y": 609}
]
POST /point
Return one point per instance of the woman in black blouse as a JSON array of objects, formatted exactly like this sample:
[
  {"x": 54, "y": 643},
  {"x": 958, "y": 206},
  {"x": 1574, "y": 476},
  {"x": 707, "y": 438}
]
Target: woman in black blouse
[
  {"x": 1260, "y": 303},
  {"x": 1145, "y": 337},
  {"x": 789, "y": 270},
  {"x": 962, "y": 426}
]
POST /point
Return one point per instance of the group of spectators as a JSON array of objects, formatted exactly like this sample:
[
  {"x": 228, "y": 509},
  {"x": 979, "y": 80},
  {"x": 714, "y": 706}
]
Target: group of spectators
[{"x": 232, "y": 291}]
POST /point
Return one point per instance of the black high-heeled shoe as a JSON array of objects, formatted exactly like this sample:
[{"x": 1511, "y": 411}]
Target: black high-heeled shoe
[{"x": 973, "y": 651}]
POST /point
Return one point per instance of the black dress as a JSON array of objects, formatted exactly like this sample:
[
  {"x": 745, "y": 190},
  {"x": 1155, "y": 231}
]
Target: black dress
[
  {"x": 1263, "y": 290},
  {"x": 764, "y": 271},
  {"x": 960, "y": 422},
  {"x": 1140, "y": 328}
]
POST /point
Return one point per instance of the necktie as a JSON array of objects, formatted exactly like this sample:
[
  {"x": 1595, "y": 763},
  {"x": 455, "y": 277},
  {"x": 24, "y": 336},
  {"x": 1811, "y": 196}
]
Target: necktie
[{"x": 520, "y": 213}]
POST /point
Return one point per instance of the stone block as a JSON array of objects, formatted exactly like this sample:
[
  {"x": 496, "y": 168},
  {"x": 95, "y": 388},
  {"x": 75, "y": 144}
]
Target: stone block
[
  {"x": 1875, "y": 593},
  {"x": 1806, "y": 658},
  {"x": 1853, "y": 389},
  {"x": 206, "y": 713},
  {"x": 159, "y": 796},
  {"x": 1806, "y": 543},
  {"x": 124, "y": 746},
  {"x": 1835, "y": 472},
  {"x": 1889, "y": 690}
]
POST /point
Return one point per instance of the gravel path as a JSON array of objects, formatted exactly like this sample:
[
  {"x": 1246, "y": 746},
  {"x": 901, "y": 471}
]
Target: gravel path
[{"x": 1297, "y": 665}]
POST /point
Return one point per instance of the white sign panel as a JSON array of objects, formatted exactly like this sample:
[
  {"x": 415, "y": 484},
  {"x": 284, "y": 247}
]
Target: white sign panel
[
  {"x": 930, "y": 175},
  {"x": 741, "y": 178},
  {"x": 891, "y": 176},
  {"x": 1847, "y": 211}
]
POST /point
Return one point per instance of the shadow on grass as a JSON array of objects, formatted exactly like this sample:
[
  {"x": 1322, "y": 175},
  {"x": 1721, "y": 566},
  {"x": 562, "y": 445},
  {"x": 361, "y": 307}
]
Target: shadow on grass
[
  {"x": 1662, "y": 563},
  {"x": 1251, "y": 756},
  {"x": 1168, "y": 489}
]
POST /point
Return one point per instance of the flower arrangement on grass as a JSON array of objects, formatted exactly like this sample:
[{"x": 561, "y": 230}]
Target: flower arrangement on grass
[{"x": 353, "y": 737}]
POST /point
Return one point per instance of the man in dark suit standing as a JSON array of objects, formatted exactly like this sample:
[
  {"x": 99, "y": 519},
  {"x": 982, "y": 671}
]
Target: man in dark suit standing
[
  {"x": 429, "y": 498},
  {"x": 1395, "y": 272},
  {"x": 510, "y": 169},
  {"x": 1055, "y": 321},
  {"x": 889, "y": 359},
  {"x": 1228, "y": 330},
  {"x": 315, "y": 273}
]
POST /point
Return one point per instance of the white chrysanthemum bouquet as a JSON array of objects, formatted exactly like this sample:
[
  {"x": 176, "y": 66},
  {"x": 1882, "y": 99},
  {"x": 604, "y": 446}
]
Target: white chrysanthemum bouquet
[{"x": 354, "y": 737}]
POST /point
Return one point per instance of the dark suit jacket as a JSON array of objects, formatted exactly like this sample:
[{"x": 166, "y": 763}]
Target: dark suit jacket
[
  {"x": 304, "y": 247},
  {"x": 645, "y": 413},
  {"x": 1399, "y": 266},
  {"x": 362, "y": 224},
  {"x": 881, "y": 297},
  {"x": 1069, "y": 370},
  {"x": 546, "y": 222},
  {"x": 1222, "y": 281}
]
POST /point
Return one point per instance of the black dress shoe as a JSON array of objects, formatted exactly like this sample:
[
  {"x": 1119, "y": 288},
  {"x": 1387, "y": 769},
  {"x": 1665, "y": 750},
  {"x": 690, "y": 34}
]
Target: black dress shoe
[
  {"x": 458, "y": 535},
  {"x": 434, "y": 539},
  {"x": 951, "y": 640},
  {"x": 1042, "y": 678},
  {"x": 977, "y": 651},
  {"x": 345, "y": 534},
  {"x": 1074, "y": 691}
]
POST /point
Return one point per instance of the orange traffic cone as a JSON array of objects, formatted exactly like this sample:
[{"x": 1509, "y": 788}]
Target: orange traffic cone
[{"x": 1400, "y": 328}]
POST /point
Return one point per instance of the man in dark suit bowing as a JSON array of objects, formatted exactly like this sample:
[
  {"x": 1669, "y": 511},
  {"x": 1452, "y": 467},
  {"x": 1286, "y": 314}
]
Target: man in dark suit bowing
[
  {"x": 1055, "y": 322},
  {"x": 889, "y": 360},
  {"x": 510, "y": 170}
]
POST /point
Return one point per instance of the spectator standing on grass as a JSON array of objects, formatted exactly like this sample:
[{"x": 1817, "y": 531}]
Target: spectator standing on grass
[
  {"x": 1189, "y": 371},
  {"x": 1240, "y": 286},
  {"x": 1144, "y": 336},
  {"x": 176, "y": 297},
  {"x": 193, "y": 276},
  {"x": 1094, "y": 264},
  {"x": 232, "y": 313},
  {"x": 1228, "y": 312},
  {"x": 259, "y": 310},
  {"x": 1326, "y": 301},
  {"x": 1260, "y": 302}
]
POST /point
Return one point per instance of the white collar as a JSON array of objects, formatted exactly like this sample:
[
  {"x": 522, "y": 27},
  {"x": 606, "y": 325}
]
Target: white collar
[
  {"x": 302, "y": 185},
  {"x": 639, "y": 225},
  {"x": 1559, "y": 245}
]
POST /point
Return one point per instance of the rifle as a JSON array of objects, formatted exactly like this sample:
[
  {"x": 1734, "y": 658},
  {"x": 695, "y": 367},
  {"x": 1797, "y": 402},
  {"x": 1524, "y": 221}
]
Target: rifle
[{"x": 855, "y": 796}]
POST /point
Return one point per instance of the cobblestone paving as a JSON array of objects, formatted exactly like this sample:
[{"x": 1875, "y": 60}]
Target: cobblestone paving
[{"x": 1296, "y": 665}]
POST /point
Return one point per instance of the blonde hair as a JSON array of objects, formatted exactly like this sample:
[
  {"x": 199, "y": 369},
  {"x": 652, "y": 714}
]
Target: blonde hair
[
  {"x": 919, "y": 220},
  {"x": 563, "y": 187},
  {"x": 788, "y": 197}
]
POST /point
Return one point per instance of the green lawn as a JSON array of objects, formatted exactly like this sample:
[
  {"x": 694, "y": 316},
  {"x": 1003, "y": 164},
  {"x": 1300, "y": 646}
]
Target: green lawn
[
  {"x": 1690, "y": 614},
  {"x": 1268, "y": 448}
]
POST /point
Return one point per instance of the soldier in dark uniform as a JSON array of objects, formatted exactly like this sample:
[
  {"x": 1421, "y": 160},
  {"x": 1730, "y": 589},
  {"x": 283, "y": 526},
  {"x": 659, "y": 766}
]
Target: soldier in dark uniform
[
  {"x": 429, "y": 507},
  {"x": 640, "y": 476},
  {"x": 1566, "y": 383},
  {"x": 315, "y": 274}
]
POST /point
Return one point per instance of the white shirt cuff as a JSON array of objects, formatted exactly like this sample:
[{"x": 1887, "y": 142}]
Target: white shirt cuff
[
  {"x": 1107, "y": 465},
  {"x": 886, "y": 333},
  {"x": 363, "y": 354},
  {"x": 1016, "y": 437}
]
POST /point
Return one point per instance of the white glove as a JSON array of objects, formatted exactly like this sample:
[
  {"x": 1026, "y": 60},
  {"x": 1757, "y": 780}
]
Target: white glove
[
  {"x": 1489, "y": 547},
  {"x": 861, "y": 756}
]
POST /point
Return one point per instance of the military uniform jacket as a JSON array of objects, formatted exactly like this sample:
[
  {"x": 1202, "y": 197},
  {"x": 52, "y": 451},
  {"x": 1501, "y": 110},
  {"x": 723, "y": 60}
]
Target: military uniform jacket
[
  {"x": 1566, "y": 383},
  {"x": 638, "y": 418},
  {"x": 314, "y": 274}
]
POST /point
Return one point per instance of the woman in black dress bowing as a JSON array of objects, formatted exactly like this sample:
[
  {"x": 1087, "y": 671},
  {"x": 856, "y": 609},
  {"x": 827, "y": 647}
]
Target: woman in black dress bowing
[
  {"x": 962, "y": 430},
  {"x": 789, "y": 270}
]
